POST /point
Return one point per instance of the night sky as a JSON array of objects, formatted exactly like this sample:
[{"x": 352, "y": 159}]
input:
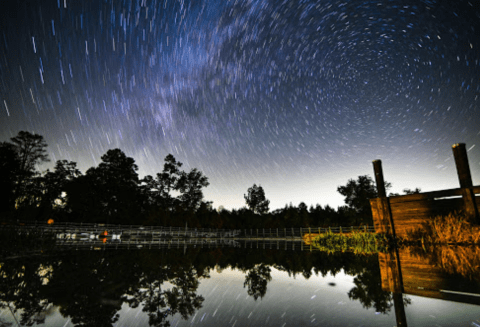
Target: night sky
[{"x": 297, "y": 96}]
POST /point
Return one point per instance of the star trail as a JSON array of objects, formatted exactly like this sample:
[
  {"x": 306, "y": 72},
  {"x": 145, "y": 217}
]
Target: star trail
[{"x": 297, "y": 96}]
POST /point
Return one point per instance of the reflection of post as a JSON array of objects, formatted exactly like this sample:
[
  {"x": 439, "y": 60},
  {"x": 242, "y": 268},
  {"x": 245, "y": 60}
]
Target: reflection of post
[
  {"x": 391, "y": 276},
  {"x": 399, "y": 310},
  {"x": 398, "y": 293},
  {"x": 465, "y": 179}
]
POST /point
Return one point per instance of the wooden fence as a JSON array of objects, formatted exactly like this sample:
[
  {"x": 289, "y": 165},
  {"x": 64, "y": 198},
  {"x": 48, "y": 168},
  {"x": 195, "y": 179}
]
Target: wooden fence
[
  {"x": 101, "y": 236},
  {"x": 398, "y": 214},
  {"x": 93, "y": 230}
]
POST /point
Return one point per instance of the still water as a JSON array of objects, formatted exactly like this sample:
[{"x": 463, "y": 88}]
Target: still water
[{"x": 240, "y": 286}]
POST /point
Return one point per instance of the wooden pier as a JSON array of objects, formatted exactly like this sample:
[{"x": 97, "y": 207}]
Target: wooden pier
[{"x": 396, "y": 215}]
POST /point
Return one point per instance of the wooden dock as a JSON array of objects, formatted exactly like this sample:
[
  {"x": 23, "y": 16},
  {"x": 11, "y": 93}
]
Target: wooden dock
[{"x": 397, "y": 215}]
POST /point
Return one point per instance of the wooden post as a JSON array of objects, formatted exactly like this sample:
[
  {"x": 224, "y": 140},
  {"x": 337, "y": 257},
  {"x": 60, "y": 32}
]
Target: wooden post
[
  {"x": 463, "y": 168},
  {"x": 377, "y": 168},
  {"x": 383, "y": 214},
  {"x": 465, "y": 180}
]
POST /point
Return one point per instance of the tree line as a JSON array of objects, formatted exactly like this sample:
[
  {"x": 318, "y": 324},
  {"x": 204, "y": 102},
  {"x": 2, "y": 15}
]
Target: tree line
[{"x": 114, "y": 193}]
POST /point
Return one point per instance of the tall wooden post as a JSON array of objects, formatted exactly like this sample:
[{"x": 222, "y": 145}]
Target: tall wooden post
[
  {"x": 463, "y": 168},
  {"x": 465, "y": 180},
  {"x": 382, "y": 216},
  {"x": 377, "y": 168}
]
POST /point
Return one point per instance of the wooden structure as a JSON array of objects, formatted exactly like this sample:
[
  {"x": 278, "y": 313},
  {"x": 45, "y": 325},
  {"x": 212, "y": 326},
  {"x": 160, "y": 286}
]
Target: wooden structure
[
  {"x": 407, "y": 273},
  {"x": 397, "y": 215}
]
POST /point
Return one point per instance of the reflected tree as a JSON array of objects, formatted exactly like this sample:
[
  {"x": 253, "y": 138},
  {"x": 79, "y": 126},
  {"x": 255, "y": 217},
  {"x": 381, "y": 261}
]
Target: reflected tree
[
  {"x": 159, "y": 302},
  {"x": 90, "y": 287},
  {"x": 368, "y": 289},
  {"x": 21, "y": 286},
  {"x": 256, "y": 280},
  {"x": 369, "y": 292},
  {"x": 94, "y": 298}
]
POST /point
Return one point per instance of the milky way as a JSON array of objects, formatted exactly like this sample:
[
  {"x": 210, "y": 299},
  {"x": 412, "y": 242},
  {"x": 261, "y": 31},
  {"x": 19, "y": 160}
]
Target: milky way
[{"x": 298, "y": 96}]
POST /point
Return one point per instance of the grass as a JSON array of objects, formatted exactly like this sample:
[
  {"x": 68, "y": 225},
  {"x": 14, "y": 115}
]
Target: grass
[
  {"x": 455, "y": 228},
  {"x": 357, "y": 242}
]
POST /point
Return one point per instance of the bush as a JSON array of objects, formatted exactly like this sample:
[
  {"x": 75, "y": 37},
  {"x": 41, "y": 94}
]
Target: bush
[{"x": 357, "y": 242}]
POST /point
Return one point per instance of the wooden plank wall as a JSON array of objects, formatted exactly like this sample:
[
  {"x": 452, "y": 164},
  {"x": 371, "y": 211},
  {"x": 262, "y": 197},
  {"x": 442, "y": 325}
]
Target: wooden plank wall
[
  {"x": 409, "y": 212},
  {"x": 399, "y": 214}
]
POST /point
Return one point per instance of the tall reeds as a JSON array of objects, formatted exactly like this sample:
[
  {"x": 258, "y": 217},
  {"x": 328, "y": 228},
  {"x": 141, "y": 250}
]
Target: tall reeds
[{"x": 455, "y": 228}]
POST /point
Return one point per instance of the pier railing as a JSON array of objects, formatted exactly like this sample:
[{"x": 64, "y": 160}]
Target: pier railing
[
  {"x": 64, "y": 228},
  {"x": 89, "y": 236}
]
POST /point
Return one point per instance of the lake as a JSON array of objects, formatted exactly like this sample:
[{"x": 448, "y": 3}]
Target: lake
[{"x": 240, "y": 284}]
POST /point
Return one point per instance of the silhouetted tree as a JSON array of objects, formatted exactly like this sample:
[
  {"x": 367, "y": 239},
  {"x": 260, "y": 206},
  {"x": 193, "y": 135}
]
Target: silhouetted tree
[
  {"x": 190, "y": 186},
  {"x": 303, "y": 215},
  {"x": 173, "y": 196},
  {"x": 107, "y": 193},
  {"x": 357, "y": 196},
  {"x": 55, "y": 184},
  {"x": 256, "y": 200},
  {"x": 9, "y": 171},
  {"x": 167, "y": 182},
  {"x": 31, "y": 150},
  {"x": 18, "y": 171}
]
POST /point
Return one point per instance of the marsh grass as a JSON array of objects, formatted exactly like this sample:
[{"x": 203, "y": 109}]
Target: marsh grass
[
  {"x": 455, "y": 228},
  {"x": 356, "y": 242}
]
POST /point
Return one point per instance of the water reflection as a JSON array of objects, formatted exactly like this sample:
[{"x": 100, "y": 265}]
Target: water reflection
[
  {"x": 443, "y": 272},
  {"x": 171, "y": 287},
  {"x": 256, "y": 280}
]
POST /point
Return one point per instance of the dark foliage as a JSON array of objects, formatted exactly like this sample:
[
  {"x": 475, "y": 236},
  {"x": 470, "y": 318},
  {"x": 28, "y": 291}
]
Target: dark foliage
[
  {"x": 256, "y": 200},
  {"x": 91, "y": 287},
  {"x": 112, "y": 192}
]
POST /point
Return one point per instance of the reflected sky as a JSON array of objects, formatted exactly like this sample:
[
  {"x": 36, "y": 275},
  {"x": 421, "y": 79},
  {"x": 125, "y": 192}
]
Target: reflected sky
[
  {"x": 290, "y": 301},
  {"x": 296, "y": 96}
]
